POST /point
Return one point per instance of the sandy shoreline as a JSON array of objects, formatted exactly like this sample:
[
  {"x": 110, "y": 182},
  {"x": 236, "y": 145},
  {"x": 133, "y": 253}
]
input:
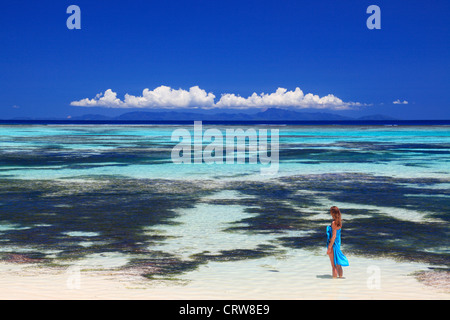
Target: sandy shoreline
[{"x": 364, "y": 279}]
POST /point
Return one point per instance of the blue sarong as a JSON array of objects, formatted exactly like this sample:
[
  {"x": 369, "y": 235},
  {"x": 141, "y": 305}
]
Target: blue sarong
[{"x": 339, "y": 257}]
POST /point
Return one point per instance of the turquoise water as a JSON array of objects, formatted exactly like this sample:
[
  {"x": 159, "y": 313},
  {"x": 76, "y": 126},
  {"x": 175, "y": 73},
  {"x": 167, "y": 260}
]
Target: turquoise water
[
  {"x": 74, "y": 192},
  {"x": 49, "y": 152}
]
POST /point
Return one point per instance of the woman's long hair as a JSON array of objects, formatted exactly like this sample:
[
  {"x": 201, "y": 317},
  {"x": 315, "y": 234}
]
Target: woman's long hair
[{"x": 336, "y": 214}]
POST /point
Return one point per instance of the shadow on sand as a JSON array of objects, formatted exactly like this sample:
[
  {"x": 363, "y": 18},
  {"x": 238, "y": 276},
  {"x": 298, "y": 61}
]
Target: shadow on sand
[
  {"x": 324, "y": 276},
  {"x": 327, "y": 276}
]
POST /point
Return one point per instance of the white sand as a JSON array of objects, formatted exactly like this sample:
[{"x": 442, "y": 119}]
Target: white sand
[{"x": 297, "y": 276}]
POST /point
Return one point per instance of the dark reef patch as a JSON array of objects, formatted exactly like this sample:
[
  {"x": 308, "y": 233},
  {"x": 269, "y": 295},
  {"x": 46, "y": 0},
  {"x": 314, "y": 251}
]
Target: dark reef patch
[{"x": 112, "y": 214}]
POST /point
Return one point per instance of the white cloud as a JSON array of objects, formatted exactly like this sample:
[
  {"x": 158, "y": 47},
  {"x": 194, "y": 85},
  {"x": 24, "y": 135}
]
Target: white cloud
[
  {"x": 161, "y": 97},
  {"x": 400, "y": 102},
  {"x": 284, "y": 98},
  {"x": 166, "y": 97},
  {"x": 108, "y": 99}
]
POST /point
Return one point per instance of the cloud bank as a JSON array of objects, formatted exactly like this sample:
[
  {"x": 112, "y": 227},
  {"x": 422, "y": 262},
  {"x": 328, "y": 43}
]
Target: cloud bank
[
  {"x": 166, "y": 97},
  {"x": 400, "y": 102}
]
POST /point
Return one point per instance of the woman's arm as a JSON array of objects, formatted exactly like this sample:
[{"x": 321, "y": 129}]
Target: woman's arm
[{"x": 333, "y": 237}]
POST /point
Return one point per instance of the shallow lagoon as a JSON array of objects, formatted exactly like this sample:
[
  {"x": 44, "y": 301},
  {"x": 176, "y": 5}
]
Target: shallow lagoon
[{"x": 110, "y": 197}]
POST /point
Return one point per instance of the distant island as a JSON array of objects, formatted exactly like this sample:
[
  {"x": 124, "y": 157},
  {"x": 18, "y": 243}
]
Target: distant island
[
  {"x": 268, "y": 116},
  {"x": 271, "y": 114}
]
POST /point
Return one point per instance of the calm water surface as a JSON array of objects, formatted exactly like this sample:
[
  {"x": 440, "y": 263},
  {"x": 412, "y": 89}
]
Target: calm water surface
[{"x": 110, "y": 196}]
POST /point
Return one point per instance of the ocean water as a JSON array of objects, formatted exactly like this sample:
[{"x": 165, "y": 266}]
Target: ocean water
[{"x": 110, "y": 196}]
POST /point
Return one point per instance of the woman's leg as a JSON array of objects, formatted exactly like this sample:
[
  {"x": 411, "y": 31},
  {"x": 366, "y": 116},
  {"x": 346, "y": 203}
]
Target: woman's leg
[
  {"x": 333, "y": 266},
  {"x": 339, "y": 270}
]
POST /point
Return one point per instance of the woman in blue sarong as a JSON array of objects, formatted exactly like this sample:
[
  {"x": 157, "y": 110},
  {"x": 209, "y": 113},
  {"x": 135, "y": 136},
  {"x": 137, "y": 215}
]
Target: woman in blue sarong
[{"x": 337, "y": 258}]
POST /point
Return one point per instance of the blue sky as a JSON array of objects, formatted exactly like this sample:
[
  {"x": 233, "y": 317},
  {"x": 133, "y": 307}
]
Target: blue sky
[{"x": 238, "y": 48}]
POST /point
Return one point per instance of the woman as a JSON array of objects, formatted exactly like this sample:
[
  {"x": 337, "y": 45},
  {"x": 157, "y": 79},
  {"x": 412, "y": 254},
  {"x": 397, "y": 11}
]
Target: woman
[{"x": 337, "y": 258}]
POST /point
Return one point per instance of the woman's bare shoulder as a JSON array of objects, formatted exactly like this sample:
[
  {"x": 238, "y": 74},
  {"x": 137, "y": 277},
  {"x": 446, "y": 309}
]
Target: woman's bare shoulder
[{"x": 334, "y": 226}]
